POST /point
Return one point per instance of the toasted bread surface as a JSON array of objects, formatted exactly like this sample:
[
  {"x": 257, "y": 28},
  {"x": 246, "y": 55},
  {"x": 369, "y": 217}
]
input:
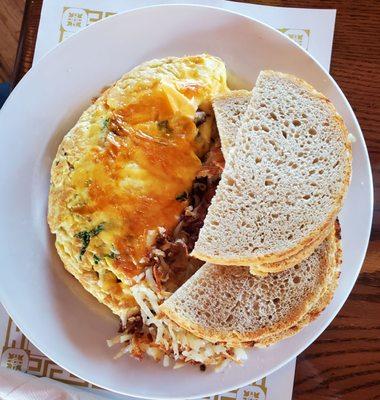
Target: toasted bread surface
[{"x": 285, "y": 180}]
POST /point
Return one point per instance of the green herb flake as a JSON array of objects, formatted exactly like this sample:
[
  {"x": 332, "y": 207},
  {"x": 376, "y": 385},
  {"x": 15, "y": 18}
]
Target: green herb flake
[
  {"x": 105, "y": 123},
  {"x": 85, "y": 237},
  {"x": 182, "y": 197},
  {"x": 96, "y": 259},
  {"x": 97, "y": 230}
]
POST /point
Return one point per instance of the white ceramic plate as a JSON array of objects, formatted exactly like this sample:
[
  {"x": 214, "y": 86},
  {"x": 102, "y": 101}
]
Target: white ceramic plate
[{"x": 49, "y": 306}]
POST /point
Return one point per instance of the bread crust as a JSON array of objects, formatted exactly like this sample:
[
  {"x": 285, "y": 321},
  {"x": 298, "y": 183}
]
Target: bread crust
[
  {"x": 320, "y": 304},
  {"x": 263, "y": 269},
  {"x": 310, "y": 241}
]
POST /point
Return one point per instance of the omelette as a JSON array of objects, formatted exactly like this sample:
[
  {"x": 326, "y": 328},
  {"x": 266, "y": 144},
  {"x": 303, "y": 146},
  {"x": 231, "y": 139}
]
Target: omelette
[{"x": 121, "y": 176}]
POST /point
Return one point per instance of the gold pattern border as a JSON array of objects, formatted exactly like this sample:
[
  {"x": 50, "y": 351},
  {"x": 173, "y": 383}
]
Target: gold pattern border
[{"x": 19, "y": 354}]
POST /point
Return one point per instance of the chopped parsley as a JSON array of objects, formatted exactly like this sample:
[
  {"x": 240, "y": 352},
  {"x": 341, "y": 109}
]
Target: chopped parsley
[
  {"x": 111, "y": 255},
  {"x": 97, "y": 230},
  {"x": 105, "y": 123},
  {"x": 86, "y": 236},
  {"x": 182, "y": 197}
]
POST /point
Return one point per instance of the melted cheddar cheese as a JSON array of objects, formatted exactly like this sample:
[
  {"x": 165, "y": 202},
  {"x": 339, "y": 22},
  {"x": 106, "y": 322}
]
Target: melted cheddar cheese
[{"x": 118, "y": 173}]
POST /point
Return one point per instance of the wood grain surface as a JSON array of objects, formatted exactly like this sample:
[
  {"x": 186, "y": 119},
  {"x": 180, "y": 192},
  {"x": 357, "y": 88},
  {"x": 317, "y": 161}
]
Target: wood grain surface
[
  {"x": 11, "y": 12},
  {"x": 344, "y": 363}
]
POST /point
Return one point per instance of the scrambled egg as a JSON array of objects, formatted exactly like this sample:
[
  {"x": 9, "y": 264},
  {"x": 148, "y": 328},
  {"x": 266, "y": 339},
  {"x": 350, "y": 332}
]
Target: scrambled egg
[{"x": 119, "y": 173}]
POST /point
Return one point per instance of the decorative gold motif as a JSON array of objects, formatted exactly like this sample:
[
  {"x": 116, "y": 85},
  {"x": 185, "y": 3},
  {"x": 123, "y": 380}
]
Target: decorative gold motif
[
  {"x": 74, "y": 19},
  {"x": 255, "y": 391},
  {"x": 19, "y": 354},
  {"x": 300, "y": 36},
  {"x": 14, "y": 361},
  {"x": 14, "y": 358}
]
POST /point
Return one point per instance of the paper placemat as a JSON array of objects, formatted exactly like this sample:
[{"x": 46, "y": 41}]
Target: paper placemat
[{"x": 311, "y": 28}]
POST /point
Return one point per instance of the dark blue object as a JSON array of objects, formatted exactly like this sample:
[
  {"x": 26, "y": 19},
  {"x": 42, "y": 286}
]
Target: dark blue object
[{"x": 5, "y": 89}]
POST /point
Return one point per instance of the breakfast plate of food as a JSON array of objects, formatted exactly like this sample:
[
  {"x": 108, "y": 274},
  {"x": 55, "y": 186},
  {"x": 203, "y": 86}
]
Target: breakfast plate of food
[{"x": 180, "y": 207}]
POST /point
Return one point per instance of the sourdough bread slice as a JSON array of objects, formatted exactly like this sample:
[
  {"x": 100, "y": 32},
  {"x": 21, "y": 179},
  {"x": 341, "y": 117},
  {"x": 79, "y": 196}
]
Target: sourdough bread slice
[
  {"x": 227, "y": 303},
  {"x": 229, "y": 111},
  {"x": 285, "y": 180}
]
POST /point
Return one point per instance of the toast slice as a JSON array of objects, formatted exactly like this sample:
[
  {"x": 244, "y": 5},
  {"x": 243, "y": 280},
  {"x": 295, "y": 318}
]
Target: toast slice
[
  {"x": 285, "y": 181},
  {"x": 228, "y": 304},
  {"x": 229, "y": 111}
]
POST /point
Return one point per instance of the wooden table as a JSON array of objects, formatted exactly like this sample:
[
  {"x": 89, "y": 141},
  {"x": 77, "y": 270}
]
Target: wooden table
[{"x": 344, "y": 363}]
